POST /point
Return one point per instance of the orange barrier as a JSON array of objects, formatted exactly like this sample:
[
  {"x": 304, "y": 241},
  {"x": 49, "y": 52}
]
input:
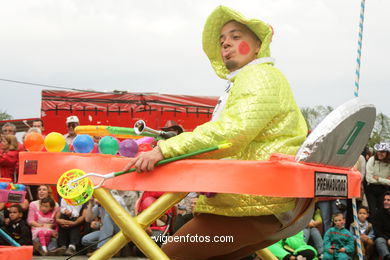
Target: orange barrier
[
  {"x": 281, "y": 176},
  {"x": 13, "y": 252}
]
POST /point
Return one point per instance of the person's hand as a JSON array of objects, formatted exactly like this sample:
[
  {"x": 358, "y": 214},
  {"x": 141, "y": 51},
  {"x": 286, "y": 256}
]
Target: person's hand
[
  {"x": 60, "y": 221},
  {"x": 363, "y": 237},
  {"x": 341, "y": 249},
  {"x": 388, "y": 242},
  {"x": 376, "y": 177},
  {"x": 330, "y": 250},
  {"x": 55, "y": 234},
  {"x": 95, "y": 224},
  {"x": 71, "y": 223},
  {"x": 145, "y": 161}
]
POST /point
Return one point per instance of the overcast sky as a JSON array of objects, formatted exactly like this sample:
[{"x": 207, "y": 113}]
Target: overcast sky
[{"x": 155, "y": 46}]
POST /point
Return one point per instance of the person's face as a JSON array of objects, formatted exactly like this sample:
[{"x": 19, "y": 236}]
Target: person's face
[
  {"x": 14, "y": 214},
  {"x": 8, "y": 130},
  {"x": 43, "y": 192},
  {"x": 239, "y": 46},
  {"x": 339, "y": 221},
  {"x": 362, "y": 215},
  {"x": 386, "y": 202},
  {"x": 4, "y": 144},
  {"x": 71, "y": 127},
  {"x": 381, "y": 155},
  {"x": 193, "y": 203},
  {"x": 38, "y": 124},
  {"x": 45, "y": 207}
]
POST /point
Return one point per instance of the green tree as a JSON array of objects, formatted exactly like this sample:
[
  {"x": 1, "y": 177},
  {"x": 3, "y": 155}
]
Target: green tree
[
  {"x": 315, "y": 115},
  {"x": 381, "y": 130},
  {"x": 4, "y": 115}
]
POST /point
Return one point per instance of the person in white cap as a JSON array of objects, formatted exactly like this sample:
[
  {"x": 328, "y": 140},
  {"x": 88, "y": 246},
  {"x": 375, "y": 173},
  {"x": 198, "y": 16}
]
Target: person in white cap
[
  {"x": 71, "y": 123},
  {"x": 378, "y": 176},
  {"x": 258, "y": 116}
]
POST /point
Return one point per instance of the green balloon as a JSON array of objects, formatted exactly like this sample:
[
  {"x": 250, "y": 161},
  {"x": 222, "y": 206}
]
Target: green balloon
[
  {"x": 66, "y": 148},
  {"x": 108, "y": 145}
]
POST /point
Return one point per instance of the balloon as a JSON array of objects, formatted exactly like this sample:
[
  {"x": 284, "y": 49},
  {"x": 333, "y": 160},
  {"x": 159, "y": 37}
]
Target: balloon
[
  {"x": 95, "y": 148},
  {"x": 20, "y": 187},
  {"x": 145, "y": 140},
  {"x": 33, "y": 142},
  {"x": 66, "y": 148},
  {"x": 54, "y": 142},
  {"x": 128, "y": 148},
  {"x": 144, "y": 147},
  {"x": 108, "y": 145},
  {"x": 83, "y": 144}
]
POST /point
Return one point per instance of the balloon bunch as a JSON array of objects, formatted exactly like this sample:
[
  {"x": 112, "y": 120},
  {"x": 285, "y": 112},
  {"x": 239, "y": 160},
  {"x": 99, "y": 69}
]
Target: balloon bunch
[
  {"x": 53, "y": 142},
  {"x": 110, "y": 145},
  {"x": 11, "y": 186},
  {"x": 83, "y": 143},
  {"x": 10, "y": 192}
]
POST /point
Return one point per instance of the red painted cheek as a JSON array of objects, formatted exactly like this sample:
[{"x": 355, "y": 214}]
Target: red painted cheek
[{"x": 244, "y": 48}]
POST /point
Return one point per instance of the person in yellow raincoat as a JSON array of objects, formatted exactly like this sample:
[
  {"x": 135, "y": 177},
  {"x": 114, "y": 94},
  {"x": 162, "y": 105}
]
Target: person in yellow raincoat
[{"x": 259, "y": 116}]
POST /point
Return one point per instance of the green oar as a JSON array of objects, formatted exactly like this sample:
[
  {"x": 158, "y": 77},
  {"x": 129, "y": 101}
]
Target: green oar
[{"x": 165, "y": 161}]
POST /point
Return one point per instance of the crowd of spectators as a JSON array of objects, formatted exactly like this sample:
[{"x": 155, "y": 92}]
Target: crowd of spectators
[{"x": 55, "y": 228}]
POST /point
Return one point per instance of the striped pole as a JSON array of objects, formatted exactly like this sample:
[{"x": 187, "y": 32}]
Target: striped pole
[
  {"x": 359, "y": 51},
  {"x": 357, "y": 230},
  {"x": 356, "y": 93}
]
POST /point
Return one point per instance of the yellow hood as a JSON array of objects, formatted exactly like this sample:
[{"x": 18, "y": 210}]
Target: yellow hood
[{"x": 212, "y": 29}]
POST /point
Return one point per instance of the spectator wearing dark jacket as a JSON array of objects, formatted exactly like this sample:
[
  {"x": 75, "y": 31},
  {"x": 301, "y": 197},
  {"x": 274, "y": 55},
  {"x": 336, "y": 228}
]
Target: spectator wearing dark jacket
[
  {"x": 381, "y": 225},
  {"x": 17, "y": 228}
]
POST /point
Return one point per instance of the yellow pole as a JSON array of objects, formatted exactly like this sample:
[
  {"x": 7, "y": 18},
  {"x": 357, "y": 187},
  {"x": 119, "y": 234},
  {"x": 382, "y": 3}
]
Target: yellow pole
[
  {"x": 110, "y": 248},
  {"x": 132, "y": 229},
  {"x": 265, "y": 254},
  {"x": 159, "y": 207}
]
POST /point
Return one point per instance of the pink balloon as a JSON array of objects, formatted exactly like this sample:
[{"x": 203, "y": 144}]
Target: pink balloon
[{"x": 145, "y": 140}]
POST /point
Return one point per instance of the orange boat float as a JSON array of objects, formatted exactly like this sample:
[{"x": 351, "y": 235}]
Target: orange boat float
[{"x": 281, "y": 176}]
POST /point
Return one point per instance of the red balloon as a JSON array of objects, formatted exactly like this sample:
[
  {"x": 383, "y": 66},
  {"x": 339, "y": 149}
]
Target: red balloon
[
  {"x": 144, "y": 147},
  {"x": 33, "y": 142}
]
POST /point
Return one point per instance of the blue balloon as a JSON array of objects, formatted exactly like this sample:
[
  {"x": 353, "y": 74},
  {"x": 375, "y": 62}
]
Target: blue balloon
[
  {"x": 20, "y": 187},
  {"x": 83, "y": 144},
  {"x": 3, "y": 185}
]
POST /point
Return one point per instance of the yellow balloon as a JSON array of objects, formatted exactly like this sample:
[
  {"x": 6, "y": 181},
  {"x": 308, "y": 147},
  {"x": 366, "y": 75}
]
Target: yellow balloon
[{"x": 54, "y": 142}]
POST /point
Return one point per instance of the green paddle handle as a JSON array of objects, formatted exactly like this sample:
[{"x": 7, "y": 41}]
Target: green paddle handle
[{"x": 179, "y": 157}]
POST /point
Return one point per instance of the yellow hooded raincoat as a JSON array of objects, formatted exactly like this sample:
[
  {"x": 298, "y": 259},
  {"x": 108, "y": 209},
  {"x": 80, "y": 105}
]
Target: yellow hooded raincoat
[{"x": 260, "y": 117}]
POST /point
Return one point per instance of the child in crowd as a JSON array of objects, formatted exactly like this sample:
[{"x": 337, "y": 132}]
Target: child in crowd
[
  {"x": 9, "y": 155},
  {"x": 338, "y": 241},
  {"x": 46, "y": 228},
  {"x": 366, "y": 232},
  {"x": 17, "y": 228}
]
